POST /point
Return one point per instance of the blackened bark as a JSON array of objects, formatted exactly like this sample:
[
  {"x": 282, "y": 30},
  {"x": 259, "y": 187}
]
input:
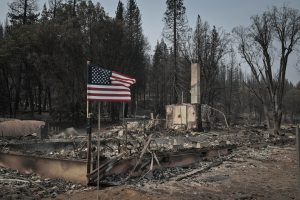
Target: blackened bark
[
  {"x": 175, "y": 53},
  {"x": 18, "y": 90},
  {"x": 199, "y": 118},
  {"x": 49, "y": 99},
  {"x": 40, "y": 98},
  {"x": 28, "y": 87},
  {"x": 133, "y": 99},
  {"x": 126, "y": 110},
  {"x": 115, "y": 112},
  {"x": 45, "y": 101},
  {"x": 25, "y": 12}
]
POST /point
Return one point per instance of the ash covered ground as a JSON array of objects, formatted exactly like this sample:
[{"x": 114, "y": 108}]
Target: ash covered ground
[{"x": 261, "y": 166}]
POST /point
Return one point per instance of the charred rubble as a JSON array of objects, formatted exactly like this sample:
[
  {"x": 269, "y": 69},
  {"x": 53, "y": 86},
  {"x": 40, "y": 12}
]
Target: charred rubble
[{"x": 136, "y": 155}]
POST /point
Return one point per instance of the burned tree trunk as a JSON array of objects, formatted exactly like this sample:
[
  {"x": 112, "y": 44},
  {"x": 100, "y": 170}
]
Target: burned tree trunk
[{"x": 277, "y": 25}]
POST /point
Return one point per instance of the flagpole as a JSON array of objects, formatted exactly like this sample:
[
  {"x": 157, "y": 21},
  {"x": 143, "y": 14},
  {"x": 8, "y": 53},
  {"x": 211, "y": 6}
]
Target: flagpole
[
  {"x": 87, "y": 80},
  {"x": 87, "y": 108},
  {"x": 124, "y": 128},
  {"x": 98, "y": 151},
  {"x": 88, "y": 130}
]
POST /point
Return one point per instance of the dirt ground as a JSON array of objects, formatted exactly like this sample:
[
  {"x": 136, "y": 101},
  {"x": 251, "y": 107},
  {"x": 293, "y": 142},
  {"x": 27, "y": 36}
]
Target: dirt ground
[{"x": 248, "y": 173}]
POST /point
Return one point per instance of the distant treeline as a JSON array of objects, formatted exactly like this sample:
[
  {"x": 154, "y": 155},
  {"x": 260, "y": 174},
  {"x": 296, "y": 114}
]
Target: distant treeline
[{"x": 43, "y": 55}]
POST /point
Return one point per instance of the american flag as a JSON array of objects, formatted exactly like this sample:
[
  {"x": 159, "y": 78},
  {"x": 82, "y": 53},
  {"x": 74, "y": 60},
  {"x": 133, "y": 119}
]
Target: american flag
[{"x": 107, "y": 85}]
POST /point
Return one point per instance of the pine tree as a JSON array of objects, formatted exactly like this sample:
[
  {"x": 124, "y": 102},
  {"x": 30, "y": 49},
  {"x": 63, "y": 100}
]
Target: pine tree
[
  {"x": 135, "y": 45},
  {"x": 120, "y": 12},
  {"x": 120, "y": 36},
  {"x": 133, "y": 22},
  {"x": 54, "y": 5},
  {"x": 1, "y": 32},
  {"x": 174, "y": 30},
  {"x": 23, "y": 11},
  {"x": 44, "y": 14},
  {"x": 159, "y": 71},
  {"x": 156, "y": 75}
]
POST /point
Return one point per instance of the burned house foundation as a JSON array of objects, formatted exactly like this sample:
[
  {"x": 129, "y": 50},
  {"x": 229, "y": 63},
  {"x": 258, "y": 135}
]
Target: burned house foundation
[
  {"x": 150, "y": 155},
  {"x": 66, "y": 159}
]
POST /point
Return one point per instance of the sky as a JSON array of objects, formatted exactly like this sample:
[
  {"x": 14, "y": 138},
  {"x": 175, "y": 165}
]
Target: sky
[{"x": 225, "y": 14}]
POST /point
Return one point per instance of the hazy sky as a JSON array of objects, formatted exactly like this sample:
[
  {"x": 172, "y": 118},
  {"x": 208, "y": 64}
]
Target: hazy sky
[{"x": 221, "y": 13}]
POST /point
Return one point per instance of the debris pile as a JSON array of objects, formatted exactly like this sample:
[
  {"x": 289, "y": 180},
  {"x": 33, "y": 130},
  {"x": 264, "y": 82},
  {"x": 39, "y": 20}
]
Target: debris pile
[
  {"x": 15, "y": 185},
  {"x": 138, "y": 155},
  {"x": 160, "y": 175}
]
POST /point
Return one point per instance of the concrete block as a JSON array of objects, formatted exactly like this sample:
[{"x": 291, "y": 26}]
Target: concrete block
[{"x": 182, "y": 116}]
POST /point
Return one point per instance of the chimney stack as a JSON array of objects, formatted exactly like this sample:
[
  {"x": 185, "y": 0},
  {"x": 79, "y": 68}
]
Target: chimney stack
[{"x": 195, "y": 83}]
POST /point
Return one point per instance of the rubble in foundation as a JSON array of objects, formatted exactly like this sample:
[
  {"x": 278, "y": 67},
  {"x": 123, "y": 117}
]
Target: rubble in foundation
[
  {"x": 125, "y": 146},
  {"x": 16, "y": 185}
]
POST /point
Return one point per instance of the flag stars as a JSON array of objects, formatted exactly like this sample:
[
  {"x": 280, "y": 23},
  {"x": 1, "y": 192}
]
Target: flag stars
[{"x": 100, "y": 76}]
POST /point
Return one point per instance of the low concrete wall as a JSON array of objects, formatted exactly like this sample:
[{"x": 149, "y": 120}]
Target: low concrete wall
[
  {"x": 70, "y": 170},
  {"x": 181, "y": 116}
]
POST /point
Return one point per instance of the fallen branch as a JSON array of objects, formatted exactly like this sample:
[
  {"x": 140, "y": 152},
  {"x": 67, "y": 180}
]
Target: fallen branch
[
  {"x": 157, "y": 161},
  {"x": 151, "y": 165},
  {"x": 105, "y": 167},
  {"x": 141, "y": 155},
  {"x": 197, "y": 171},
  {"x": 221, "y": 113},
  {"x": 14, "y": 180}
]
